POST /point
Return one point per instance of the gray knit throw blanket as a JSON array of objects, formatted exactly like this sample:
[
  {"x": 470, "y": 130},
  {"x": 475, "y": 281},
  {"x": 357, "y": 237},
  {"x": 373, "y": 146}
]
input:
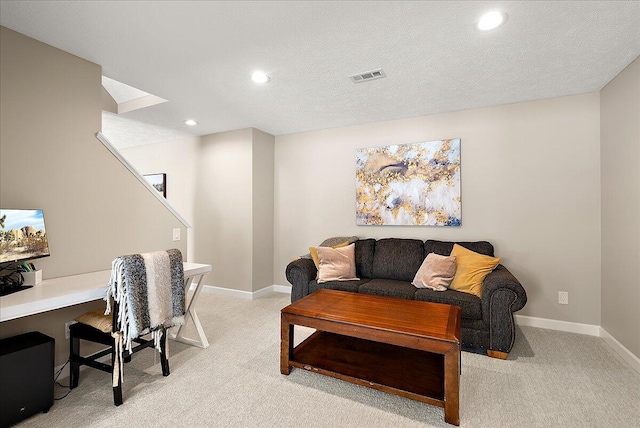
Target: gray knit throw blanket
[{"x": 149, "y": 290}]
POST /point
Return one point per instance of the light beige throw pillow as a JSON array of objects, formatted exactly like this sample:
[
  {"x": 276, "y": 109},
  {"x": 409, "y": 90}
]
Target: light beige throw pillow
[
  {"x": 436, "y": 272},
  {"x": 314, "y": 252},
  {"x": 336, "y": 264}
]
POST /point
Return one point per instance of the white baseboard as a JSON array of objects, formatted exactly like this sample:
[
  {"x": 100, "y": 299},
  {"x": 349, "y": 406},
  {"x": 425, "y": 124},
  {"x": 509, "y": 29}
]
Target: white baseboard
[
  {"x": 589, "y": 329},
  {"x": 282, "y": 288},
  {"x": 626, "y": 355},
  {"x": 571, "y": 327},
  {"x": 227, "y": 292},
  {"x": 247, "y": 294}
]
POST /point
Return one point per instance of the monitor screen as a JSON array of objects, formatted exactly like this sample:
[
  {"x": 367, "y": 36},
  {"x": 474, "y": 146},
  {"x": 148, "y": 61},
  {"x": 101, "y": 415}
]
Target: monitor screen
[{"x": 22, "y": 235}]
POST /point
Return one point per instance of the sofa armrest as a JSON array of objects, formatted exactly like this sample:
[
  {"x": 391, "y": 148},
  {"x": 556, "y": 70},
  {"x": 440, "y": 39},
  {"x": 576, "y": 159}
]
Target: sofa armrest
[
  {"x": 300, "y": 273},
  {"x": 502, "y": 295},
  {"x": 501, "y": 278}
]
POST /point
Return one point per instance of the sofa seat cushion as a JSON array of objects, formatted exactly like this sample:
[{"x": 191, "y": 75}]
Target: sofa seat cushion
[
  {"x": 389, "y": 288},
  {"x": 352, "y": 286},
  {"x": 469, "y": 304},
  {"x": 398, "y": 259}
]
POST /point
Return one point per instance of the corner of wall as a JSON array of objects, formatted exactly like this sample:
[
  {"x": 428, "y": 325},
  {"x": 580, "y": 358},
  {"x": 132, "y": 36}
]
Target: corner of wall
[
  {"x": 620, "y": 206},
  {"x": 263, "y": 151}
]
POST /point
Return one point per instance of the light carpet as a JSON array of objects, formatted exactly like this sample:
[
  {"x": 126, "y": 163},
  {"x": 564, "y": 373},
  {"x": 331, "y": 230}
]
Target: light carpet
[{"x": 551, "y": 379}]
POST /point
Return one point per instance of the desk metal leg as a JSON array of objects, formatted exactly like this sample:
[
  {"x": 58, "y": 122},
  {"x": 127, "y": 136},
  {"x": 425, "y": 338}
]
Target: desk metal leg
[{"x": 202, "y": 341}]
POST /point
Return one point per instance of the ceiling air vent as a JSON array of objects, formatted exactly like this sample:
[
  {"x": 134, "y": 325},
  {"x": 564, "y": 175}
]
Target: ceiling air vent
[{"x": 367, "y": 75}]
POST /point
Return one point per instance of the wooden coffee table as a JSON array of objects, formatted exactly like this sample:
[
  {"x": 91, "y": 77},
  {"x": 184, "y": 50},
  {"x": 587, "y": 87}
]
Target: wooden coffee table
[{"x": 404, "y": 347}]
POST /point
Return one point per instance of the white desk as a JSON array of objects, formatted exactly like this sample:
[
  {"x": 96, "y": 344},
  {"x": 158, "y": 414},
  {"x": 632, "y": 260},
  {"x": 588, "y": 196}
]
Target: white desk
[{"x": 65, "y": 291}]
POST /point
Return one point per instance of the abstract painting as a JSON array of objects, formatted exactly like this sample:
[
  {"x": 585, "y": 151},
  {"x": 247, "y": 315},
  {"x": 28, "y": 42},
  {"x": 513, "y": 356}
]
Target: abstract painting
[{"x": 409, "y": 184}]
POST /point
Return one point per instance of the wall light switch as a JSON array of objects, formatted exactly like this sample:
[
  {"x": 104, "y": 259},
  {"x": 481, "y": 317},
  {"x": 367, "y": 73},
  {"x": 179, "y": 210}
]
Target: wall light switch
[{"x": 176, "y": 234}]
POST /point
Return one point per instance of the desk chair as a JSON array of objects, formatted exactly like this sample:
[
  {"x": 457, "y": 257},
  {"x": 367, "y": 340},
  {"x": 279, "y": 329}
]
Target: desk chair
[{"x": 146, "y": 296}]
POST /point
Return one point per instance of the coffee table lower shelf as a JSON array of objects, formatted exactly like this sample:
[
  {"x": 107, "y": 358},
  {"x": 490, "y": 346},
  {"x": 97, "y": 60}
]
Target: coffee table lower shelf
[{"x": 406, "y": 372}]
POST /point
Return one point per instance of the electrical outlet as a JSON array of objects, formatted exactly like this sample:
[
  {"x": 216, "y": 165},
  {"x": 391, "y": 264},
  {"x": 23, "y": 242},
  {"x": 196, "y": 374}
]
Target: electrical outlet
[
  {"x": 66, "y": 328},
  {"x": 176, "y": 234},
  {"x": 563, "y": 297}
]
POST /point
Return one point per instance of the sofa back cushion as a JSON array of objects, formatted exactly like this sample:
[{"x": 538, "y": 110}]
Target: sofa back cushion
[
  {"x": 444, "y": 247},
  {"x": 364, "y": 257},
  {"x": 398, "y": 259}
]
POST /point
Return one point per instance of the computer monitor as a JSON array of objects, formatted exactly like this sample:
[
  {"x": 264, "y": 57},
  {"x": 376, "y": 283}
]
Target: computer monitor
[{"x": 22, "y": 235}]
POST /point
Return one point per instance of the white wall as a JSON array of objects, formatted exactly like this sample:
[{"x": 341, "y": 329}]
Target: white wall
[
  {"x": 233, "y": 214},
  {"x": 95, "y": 210},
  {"x": 262, "y": 207},
  {"x": 223, "y": 185},
  {"x": 178, "y": 160},
  {"x": 620, "y": 163},
  {"x": 223, "y": 219},
  {"x": 530, "y": 185}
]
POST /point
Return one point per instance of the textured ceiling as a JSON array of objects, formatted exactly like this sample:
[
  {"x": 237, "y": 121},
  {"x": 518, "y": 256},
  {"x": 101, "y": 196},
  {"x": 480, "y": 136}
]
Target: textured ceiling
[{"x": 200, "y": 56}]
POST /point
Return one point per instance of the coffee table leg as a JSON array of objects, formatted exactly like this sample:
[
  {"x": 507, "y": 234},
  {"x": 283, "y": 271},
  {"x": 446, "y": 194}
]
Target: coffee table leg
[
  {"x": 286, "y": 345},
  {"x": 452, "y": 386}
]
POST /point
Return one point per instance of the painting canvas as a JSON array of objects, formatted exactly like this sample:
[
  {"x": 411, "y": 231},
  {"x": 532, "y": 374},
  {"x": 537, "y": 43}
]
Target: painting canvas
[
  {"x": 158, "y": 182},
  {"x": 409, "y": 184}
]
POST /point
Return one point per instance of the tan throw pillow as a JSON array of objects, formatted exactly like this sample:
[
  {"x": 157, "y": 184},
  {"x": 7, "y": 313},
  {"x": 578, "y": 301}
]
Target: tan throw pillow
[
  {"x": 472, "y": 268},
  {"x": 336, "y": 264},
  {"x": 436, "y": 272},
  {"x": 333, "y": 242},
  {"x": 314, "y": 252}
]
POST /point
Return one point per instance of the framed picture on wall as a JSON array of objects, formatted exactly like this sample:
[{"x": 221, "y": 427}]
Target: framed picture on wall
[
  {"x": 158, "y": 181},
  {"x": 415, "y": 184}
]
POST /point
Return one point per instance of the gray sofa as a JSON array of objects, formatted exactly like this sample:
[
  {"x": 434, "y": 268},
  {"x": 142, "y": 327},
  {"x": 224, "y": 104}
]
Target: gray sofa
[{"x": 386, "y": 267}]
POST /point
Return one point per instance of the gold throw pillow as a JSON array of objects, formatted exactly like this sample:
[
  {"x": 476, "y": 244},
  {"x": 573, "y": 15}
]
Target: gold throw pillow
[{"x": 472, "y": 268}]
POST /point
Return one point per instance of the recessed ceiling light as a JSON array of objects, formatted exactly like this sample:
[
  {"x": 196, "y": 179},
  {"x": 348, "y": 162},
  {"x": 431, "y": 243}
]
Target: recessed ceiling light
[
  {"x": 491, "y": 20},
  {"x": 190, "y": 122},
  {"x": 260, "y": 77}
]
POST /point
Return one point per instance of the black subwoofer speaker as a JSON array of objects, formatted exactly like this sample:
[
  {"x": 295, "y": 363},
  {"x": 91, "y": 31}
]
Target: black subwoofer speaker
[{"x": 26, "y": 376}]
